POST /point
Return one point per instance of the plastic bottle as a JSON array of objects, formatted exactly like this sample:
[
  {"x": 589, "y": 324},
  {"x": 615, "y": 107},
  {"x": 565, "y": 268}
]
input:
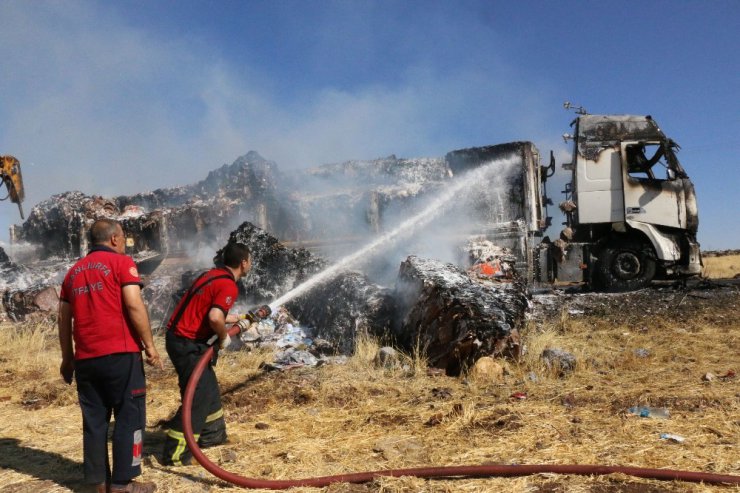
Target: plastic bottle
[
  {"x": 672, "y": 438},
  {"x": 650, "y": 412}
]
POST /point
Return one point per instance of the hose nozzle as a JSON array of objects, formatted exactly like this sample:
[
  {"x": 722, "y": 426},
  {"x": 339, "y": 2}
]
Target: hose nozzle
[{"x": 257, "y": 314}]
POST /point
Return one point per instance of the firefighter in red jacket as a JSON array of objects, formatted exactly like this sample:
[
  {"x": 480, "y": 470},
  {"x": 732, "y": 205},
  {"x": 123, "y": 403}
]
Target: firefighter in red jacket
[
  {"x": 202, "y": 312},
  {"x": 102, "y": 311}
]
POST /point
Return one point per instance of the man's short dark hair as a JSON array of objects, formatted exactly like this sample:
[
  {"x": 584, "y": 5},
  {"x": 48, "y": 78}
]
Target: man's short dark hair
[
  {"x": 232, "y": 254},
  {"x": 102, "y": 230}
]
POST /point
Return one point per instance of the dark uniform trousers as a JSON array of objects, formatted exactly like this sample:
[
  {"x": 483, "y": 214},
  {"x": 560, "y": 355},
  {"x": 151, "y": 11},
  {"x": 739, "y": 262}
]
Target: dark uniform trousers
[
  {"x": 207, "y": 415},
  {"x": 112, "y": 384}
]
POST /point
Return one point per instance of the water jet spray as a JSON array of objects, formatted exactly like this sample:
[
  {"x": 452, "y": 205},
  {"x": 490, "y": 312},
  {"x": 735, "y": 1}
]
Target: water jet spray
[{"x": 406, "y": 227}]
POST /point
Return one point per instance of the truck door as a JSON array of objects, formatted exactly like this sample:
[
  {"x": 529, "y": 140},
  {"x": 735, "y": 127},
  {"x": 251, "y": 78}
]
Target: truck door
[
  {"x": 598, "y": 185},
  {"x": 654, "y": 189}
]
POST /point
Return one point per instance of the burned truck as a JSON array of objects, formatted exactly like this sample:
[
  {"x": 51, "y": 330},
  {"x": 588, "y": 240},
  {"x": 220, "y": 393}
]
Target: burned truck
[{"x": 630, "y": 208}]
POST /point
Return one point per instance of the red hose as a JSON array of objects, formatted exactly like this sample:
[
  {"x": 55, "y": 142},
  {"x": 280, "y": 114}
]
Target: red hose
[{"x": 421, "y": 472}]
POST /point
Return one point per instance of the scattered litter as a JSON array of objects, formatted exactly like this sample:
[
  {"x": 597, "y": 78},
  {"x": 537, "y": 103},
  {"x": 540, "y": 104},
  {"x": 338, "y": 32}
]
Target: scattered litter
[
  {"x": 672, "y": 438},
  {"x": 642, "y": 353},
  {"x": 559, "y": 359},
  {"x": 569, "y": 400},
  {"x": 708, "y": 377},
  {"x": 729, "y": 375},
  {"x": 442, "y": 393},
  {"x": 650, "y": 412},
  {"x": 292, "y": 357},
  {"x": 228, "y": 456},
  {"x": 519, "y": 395},
  {"x": 293, "y": 347}
]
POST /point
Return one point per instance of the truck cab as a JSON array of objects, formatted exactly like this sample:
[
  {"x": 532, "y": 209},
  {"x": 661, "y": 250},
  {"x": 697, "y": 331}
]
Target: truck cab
[{"x": 631, "y": 213}]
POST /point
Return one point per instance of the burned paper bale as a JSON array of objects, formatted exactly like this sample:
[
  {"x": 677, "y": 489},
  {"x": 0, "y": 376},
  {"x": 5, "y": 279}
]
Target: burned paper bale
[
  {"x": 248, "y": 178},
  {"x": 489, "y": 261},
  {"x": 161, "y": 294},
  {"x": 454, "y": 318},
  {"x": 343, "y": 308},
  {"x": 25, "y": 290},
  {"x": 19, "y": 304},
  {"x": 155, "y": 223},
  {"x": 275, "y": 268},
  {"x": 60, "y": 224},
  {"x": 47, "y": 299},
  {"x": 243, "y": 190},
  {"x": 382, "y": 171}
]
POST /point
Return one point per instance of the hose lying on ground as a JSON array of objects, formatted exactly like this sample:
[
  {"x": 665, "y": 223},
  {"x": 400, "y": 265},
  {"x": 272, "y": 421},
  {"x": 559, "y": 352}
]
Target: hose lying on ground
[{"x": 421, "y": 472}]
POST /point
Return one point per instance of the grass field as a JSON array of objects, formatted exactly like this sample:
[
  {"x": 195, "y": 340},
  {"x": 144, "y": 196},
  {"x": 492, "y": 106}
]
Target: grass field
[
  {"x": 354, "y": 417},
  {"x": 721, "y": 267}
]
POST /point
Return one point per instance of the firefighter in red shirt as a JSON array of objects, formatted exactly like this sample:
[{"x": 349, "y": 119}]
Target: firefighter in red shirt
[
  {"x": 101, "y": 310},
  {"x": 202, "y": 312}
]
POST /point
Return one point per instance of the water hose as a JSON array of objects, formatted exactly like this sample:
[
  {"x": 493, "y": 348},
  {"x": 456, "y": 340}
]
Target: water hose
[{"x": 420, "y": 472}]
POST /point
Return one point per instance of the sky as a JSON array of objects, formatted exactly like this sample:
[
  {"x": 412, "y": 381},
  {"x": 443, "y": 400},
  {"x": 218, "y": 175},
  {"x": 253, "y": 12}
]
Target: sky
[{"x": 114, "y": 98}]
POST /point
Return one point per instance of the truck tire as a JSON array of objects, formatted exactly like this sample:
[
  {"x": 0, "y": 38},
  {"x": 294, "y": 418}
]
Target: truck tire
[{"x": 625, "y": 265}]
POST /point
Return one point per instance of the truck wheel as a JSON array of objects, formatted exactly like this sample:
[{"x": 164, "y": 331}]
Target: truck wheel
[{"x": 625, "y": 266}]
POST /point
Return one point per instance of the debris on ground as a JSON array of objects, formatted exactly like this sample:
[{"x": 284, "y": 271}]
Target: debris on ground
[
  {"x": 650, "y": 412},
  {"x": 672, "y": 437},
  {"x": 559, "y": 360},
  {"x": 291, "y": 344}
]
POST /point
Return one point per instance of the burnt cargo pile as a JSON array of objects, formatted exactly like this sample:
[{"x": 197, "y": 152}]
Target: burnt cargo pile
[
  {"x": 336, "y": 311},
  {"x": 331, "y": 208},
  {"x": 252, "y": 202},
  {"x": 165, "y": 219},
  {"x": 275, "y": 268},
  {"x": 58, "y": 225},
  {"x": 455, "y": 317},
  {"x": 345, "y": 308}
]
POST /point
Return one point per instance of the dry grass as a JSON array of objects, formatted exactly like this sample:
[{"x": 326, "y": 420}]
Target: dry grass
[
  {"x": 356, "y": 417},
  {"x": 721, "y": 267}
]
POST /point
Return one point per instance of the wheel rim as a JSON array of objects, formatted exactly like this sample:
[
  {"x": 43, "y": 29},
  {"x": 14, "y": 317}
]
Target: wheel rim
[{"x": 627, "y": 265}]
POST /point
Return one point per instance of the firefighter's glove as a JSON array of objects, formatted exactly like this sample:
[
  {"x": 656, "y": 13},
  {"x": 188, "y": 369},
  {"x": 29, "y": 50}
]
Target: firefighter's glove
[
  {"x": 243, "y": 324},
  {"x": 224, "y": 343}
]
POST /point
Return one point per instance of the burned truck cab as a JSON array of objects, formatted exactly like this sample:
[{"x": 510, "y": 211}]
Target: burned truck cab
[{"x": 631, "y": 213}]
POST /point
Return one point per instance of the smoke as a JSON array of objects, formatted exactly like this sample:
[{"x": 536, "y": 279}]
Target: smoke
[
  {"x": 475, "y": 207},
  {"x": 103, "y": 106},
  {"x": 432, "y": 226}
]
